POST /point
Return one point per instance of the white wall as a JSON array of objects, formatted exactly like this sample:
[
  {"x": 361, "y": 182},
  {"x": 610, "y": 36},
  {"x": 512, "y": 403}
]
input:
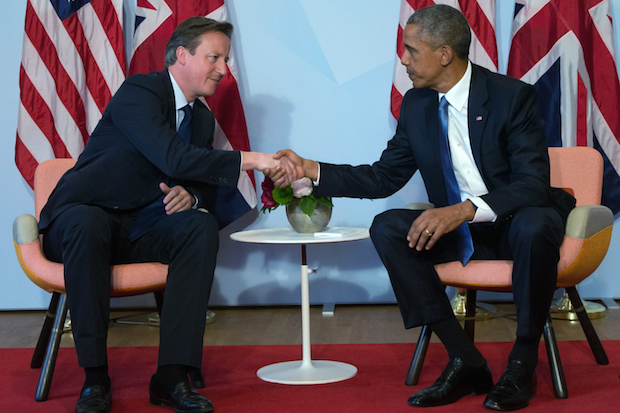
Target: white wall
[{"x": 315, "y": 76}]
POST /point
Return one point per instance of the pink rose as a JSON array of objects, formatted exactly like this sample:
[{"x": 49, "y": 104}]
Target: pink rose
[{"x": 302, "y": 187}]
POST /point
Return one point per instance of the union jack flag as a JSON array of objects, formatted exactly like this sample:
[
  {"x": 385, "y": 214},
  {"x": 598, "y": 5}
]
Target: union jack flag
[
  {"x": 155, "y": 22},
  {"x": 483, "y": 51},
  {"x": 566, "y": 50}
]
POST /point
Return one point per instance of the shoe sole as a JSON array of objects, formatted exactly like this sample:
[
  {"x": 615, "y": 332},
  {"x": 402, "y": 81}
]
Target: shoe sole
[{"x": 164, "y": 403}]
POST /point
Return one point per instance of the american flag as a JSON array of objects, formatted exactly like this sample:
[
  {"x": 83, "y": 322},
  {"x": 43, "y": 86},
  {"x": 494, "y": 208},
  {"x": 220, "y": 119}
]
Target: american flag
[
  {"x": 483, "y": 51},
  {"x": 155, "y": 22},
  {"x": 566, "y": 50},
  {"x": 73, "y": 60}
]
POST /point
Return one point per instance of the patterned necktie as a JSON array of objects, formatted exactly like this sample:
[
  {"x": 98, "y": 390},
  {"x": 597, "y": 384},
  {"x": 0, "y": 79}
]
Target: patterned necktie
[{"x": 466, "y": 245}]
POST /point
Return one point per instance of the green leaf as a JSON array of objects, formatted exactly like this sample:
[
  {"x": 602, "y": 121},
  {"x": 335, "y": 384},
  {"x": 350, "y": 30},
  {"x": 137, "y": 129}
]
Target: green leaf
[
  {"x": 325, "y": 201},
  {"x": 308, "y": 204},
  {"x": 283, "y": 196}
]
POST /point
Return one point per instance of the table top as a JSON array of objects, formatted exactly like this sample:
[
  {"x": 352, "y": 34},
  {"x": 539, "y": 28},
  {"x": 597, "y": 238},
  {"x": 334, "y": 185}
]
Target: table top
[{"x": 290, "y": 236}]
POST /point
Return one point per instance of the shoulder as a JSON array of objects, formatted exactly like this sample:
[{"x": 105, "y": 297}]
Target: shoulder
[
  {"x": 498, "y": 82},
  {"x": 158, "y": 82},
  {"x": 417, "y": 98}
]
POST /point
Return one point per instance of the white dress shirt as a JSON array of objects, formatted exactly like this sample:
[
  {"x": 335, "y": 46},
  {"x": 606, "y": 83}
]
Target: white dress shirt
[{"x": 468, "y": 176}]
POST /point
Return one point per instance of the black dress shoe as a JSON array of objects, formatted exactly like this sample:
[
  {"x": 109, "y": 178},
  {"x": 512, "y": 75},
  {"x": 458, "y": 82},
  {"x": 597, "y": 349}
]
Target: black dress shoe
[
  {"x": 183, "y": 399},
  {"x": 196, "y": 377},
  {"x": 456, "y": 381},
  {"x": 94, "y": 399},
  {"x": 514, "y": 389}
]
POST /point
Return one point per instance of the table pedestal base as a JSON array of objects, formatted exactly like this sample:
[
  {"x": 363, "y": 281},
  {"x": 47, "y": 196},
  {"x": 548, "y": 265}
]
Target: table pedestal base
[{"x": 313, "y": 372}]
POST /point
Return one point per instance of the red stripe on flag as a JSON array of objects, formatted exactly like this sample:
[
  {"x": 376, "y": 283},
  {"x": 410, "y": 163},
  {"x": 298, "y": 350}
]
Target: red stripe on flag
[
  {"x": 582, "y": 113},
  {"x": 41, "y": 115},
  {"x": 25, "y": 161},
  {"x": 94, "y": 78},
  {"x": 481, "y": 25}
]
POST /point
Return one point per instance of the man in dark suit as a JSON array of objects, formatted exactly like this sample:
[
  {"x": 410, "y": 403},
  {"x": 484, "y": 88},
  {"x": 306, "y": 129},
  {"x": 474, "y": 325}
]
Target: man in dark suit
[
  {"x": 138, "y": 193},
  {"x": 478, "y": 141}
]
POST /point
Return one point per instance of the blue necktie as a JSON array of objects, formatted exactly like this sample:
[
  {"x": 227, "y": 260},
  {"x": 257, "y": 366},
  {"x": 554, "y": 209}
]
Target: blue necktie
[
  {"x": 185, "y": 128},
  {"x": 466, "y": 245},
  {"x": 156, "y": 209}
]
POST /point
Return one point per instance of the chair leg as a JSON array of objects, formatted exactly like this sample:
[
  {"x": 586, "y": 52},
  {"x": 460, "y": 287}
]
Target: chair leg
[
  {"x": 413, "y": 374},
  {"x": 46, "y": 330},
  {"x": 470, "y": 313},
  {"x": 47, "y": 371},
  {"x": 555, "y": 363},
  {"x": 588, "y": 328}
]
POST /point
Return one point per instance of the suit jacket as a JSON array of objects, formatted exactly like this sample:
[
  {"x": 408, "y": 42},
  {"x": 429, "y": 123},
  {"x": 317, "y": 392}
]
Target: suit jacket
[
  {"x": 135, "y": 147},
  {"x": 507, "y": 141}
]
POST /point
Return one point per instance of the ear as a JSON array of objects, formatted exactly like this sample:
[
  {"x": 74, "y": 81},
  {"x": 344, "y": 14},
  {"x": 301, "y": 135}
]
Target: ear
[
  {"x": 181, "y": 55},
  {"x": 447, "y": 54}
]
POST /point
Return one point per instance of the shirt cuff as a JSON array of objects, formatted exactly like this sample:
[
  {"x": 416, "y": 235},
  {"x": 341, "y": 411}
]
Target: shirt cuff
[
  {"x": 484, "y": 213},
  {"x": 318, "y": 175}
]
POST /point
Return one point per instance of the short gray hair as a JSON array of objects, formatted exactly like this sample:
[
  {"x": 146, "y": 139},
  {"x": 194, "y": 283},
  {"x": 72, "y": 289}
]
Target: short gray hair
[
  {"x": 188, "y": 34},
  {"x": 443, "y": 25}
]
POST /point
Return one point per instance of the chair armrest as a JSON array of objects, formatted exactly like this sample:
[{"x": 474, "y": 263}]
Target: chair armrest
[
  {"x": 419, "y": 205},
  {"x": 25, "y": 229},
  {"x": 586, "y": 220}
]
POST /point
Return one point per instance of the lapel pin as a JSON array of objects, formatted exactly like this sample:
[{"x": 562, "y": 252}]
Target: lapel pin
[{"x": 479, "y": 118}]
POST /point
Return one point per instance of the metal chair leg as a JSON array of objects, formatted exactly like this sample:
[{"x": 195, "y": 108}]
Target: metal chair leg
[
  {"x": 415, "y": 368},
  {"x": 588, "y": 328},
  {"x": 47, "y": 371},
  {"x": 46, "y": 331},
  {"x": 555, "y": 363},
  {"x": 470, "y": 313}
]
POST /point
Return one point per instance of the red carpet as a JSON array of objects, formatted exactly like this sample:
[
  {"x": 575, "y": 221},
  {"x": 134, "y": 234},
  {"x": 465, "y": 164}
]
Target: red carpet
[{"x": 379, "y": 387}]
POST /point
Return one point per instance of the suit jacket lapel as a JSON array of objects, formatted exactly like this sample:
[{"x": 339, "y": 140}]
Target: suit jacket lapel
[
  {"x": 477, "y": 113},
  {"x": 431, "y": 118},
  {"x": 200, "y": 124}
]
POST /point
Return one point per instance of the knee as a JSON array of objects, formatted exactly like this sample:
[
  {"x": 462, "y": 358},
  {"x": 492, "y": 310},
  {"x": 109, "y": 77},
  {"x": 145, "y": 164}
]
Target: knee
[
  {"x": 380, "y": 227},
  {"x": 84, "y": 222},
  {"x": 538, "y": 225},
  {"x": 201, "y": 227},
  {"x": 392, "y": 224}
]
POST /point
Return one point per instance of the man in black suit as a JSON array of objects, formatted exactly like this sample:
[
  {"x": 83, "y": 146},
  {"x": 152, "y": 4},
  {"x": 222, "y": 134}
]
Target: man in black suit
[
  {"x": 134, "y": 196},
  {"x": 478, "y": 141}
]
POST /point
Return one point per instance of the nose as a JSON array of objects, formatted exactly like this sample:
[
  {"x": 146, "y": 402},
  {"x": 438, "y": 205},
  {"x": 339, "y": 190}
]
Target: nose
[
  {"x": 222, "y": 68},
  {"x": 404, "y": 60}
]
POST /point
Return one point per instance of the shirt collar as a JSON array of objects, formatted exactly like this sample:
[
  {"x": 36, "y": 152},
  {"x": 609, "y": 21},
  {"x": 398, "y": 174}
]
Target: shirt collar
[
  {"x": 459, "y": 94},
  {"x": 179, "y": 97}
]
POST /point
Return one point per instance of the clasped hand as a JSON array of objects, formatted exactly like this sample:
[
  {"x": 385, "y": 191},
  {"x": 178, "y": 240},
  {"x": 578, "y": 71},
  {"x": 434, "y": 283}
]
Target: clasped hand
[{"x": 283, "y": 170}]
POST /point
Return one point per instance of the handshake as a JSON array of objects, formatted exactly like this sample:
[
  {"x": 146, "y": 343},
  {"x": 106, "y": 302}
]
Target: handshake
[{"x": 283, "y": 167}]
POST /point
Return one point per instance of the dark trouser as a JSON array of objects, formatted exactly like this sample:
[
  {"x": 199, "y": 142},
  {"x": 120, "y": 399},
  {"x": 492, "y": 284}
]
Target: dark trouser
[
  {"x": 88, "y": 239},
  {"x": 531, "y": 238}
]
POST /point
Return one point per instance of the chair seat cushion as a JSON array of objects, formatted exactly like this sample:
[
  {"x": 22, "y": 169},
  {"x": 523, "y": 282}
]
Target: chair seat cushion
[
  {"x": 496, "y": 275},
  {"x": 127, "y": 279}
]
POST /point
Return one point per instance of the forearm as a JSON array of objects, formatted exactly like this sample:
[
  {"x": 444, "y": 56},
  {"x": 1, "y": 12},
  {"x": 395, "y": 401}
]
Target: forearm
[{"x": 255, "y": 160}]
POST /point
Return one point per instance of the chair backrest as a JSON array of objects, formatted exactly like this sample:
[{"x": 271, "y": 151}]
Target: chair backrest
[
  {"x": 579, "y": 169},
  {"x": 46, "y": 176}
]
